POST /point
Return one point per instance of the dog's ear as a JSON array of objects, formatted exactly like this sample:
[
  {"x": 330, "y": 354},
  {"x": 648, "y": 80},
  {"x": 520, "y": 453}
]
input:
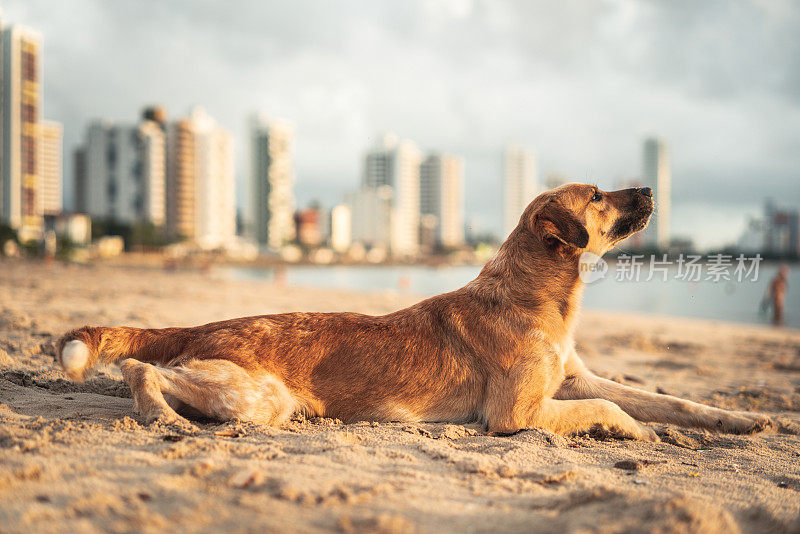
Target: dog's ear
[{"x": 554, "y": 222}]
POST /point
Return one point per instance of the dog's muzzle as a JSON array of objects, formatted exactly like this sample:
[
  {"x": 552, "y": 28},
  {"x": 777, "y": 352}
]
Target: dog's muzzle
[{"x": 636, "y": 217}]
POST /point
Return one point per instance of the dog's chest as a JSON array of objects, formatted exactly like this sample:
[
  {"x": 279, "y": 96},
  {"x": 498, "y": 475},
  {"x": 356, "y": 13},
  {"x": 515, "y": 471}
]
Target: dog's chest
[{"x": 561, "y": 348}]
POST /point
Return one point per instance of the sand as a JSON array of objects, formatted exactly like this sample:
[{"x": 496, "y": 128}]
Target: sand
[{"x": 74, "y": 457}]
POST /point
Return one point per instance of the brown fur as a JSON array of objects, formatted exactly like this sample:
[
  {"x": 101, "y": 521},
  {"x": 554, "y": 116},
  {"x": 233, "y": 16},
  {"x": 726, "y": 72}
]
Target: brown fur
[{"x": 499, "y": 350}]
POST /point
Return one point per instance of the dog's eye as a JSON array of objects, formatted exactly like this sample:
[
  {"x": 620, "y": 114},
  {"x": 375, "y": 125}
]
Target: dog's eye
[{"x": 597, "y": 197}]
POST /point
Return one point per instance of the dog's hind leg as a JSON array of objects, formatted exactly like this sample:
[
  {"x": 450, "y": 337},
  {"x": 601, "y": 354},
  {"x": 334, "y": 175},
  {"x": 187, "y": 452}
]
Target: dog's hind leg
[
  {"x": 219, "y": 389},
  {"x": 148, "y": 400}
]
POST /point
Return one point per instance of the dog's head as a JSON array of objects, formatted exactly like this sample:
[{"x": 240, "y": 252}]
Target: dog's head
[{"x": 582, "y": 217}]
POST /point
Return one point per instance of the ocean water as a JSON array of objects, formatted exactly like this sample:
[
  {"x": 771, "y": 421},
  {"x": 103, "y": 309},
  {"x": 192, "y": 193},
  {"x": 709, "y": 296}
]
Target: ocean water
[{"x": 731, "y": 301}]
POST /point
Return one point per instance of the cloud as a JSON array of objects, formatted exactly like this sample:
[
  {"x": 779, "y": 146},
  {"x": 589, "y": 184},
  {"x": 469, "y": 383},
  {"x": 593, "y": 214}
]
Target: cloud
[{"x": 580, "y": 82}]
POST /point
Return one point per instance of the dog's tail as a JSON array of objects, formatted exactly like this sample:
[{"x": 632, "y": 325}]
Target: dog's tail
[{"x": 80, "y": 350}]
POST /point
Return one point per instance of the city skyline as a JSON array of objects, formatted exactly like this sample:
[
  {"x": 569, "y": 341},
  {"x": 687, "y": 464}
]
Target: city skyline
[{"x": 732, "y": 128}]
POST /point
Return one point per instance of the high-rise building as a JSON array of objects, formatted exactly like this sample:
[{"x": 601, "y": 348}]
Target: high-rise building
[
  {"x": 341, "y": 228},
  {"x": 201, "y": 187},
  {"x": 3, "y": 218},
  {"x": 272, "y": 180},
  {"x": 371, "y": 216},
  {"x": 22, "y": 204},
  {"x": 120, "y": 173},
  {"x": 519, "y": 184},
  {"x": 396, "y": 163},
  {"x": 151, "y": 168},
  {"x": 656, "y": 175},
  {"x": 776, "y": 235},
  {"x": 554, "y": 180},
  {"x": 79, "y": 179},
  {"x": 180, "y": 179},
  {"x": 157, "y": 114},
  {"x": 781, "y": 236},
  {"x": 442, "y": 197},
  {"x": 308, "y": 226},
  {"x": 216, "y": 186},
  {"x": 324, "y": 224},
  {"x": 52, "y": 167}
]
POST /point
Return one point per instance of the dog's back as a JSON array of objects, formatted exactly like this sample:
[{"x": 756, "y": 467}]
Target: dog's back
[{"x": 346, "y": 365}]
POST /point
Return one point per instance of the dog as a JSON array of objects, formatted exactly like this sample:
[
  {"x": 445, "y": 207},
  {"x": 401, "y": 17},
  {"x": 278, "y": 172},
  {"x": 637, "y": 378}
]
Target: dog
[{"x": 498, "y": 351}]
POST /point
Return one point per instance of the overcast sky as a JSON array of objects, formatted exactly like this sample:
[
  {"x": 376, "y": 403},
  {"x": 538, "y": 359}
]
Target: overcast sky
[{"x": 581, "y": 83}]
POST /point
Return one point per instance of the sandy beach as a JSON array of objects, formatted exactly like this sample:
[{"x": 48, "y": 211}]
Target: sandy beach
[{"x": 74, "y": 457}]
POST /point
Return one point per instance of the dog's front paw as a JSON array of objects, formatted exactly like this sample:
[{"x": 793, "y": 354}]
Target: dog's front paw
[
  {"x": 169, "y": 418},
  {"x": 743, "y": 423},
  {"x": 163, "y": 417},
  {"x": 647, "y": 434},
  {"x": 636, "y": 431},
  {"x": 633, "y": 430}
]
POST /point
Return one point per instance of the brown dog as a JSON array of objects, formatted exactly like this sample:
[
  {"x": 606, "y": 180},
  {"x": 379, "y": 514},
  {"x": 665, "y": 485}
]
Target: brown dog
[{"x": 499, "y": 350}]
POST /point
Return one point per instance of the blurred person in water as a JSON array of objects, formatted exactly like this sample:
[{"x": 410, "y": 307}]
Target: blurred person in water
[{"x": 777, "y": 294}]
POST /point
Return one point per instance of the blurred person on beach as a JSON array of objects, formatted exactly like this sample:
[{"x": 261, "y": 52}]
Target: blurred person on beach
[
  {"x": 280, "y": 276},
  {"x": 777, "y": 294}
]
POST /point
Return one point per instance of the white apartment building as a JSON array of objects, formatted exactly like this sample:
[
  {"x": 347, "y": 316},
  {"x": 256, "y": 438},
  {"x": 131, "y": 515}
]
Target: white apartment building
[
  {"x": 122, "y": 175},
  {"x": 442, "y": 197},
  {"x": 51, "y": 160},
  {"x": 656, "y": 175},
  {"x": 396, "y": 163},
  {"x": 341, "y": 228},
  {"x": 519, "y": 184},
  {"x": 371, "y": 211},
  {"x": 272, "y": 180},
  {"x": 21, "y": 202},
  {"x": 201, "y": 183},
  {"x": 215, "y": 182}
]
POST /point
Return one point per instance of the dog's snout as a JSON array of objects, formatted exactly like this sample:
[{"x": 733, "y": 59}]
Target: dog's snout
[{"x": 646, "y": 191}]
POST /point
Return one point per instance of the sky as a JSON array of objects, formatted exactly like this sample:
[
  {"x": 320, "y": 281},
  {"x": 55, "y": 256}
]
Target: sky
[{"x": 581, "y": 83}]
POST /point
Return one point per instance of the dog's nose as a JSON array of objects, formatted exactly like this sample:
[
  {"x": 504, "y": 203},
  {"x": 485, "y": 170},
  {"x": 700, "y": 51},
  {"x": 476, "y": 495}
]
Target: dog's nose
[{"x": 646, "y": 191}]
